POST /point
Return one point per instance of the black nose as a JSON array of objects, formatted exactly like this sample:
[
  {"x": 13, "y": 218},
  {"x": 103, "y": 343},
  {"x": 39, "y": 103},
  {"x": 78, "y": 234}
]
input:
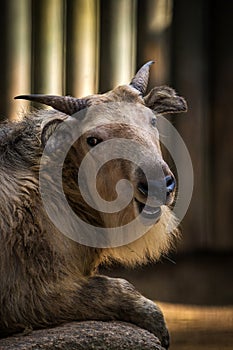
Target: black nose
[
  {"x": 161, "y": 190},
  {"x": 170, "y": 184}
]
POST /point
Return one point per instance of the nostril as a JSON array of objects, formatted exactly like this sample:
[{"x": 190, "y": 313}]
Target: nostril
[
  {"x": 160, "y": 189},
  {"x": 143, "y": 188},
  {"x": 170, "y": 184}
]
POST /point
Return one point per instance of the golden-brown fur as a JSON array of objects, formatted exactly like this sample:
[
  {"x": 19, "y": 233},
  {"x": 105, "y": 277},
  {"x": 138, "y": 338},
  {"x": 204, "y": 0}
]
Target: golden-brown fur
[{"x": 47, "y": 278}]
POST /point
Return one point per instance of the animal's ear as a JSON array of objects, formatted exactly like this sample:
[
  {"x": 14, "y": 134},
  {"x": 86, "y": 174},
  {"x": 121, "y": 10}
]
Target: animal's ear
[
  {"x": 164, "y": 99},
  {"x": 48, "y": 129}
]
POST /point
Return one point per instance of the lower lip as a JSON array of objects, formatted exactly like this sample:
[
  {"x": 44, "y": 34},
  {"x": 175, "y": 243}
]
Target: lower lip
[{"x": 151, "y": 215}]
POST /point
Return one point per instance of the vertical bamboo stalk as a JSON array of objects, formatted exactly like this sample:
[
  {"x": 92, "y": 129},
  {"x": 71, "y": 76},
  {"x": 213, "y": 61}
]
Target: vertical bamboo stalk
[
  {"x": 48, "y": 46},
  {"x": 155, "y": 18},
  {"x": 3, "y": 60},
  {"x": 18, "y": 48},
  {"x": 122, "y": 41},
  {"x": 82, "y": 47},
  {"x": 190, "y": 59},
  {"x": 118, "y": 42},
  {"x": 221, "y": 126}
]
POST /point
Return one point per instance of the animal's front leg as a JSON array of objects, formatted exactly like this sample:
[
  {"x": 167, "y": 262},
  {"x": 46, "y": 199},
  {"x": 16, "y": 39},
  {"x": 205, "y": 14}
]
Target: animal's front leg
[{"x": 107, "y": 298}]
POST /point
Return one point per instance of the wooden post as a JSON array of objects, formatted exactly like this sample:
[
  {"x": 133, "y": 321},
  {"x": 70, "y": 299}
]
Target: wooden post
[
  {"x": 48, "y": 45},
  {"x": 82, "y": 47},
  {"x": 118, "y": 43},
  {"x": 190, "y": 62},
  {"x": 18, "y": 54},
  {"x": 154, "y": 31},
  {"x": 221, "y": 58}
]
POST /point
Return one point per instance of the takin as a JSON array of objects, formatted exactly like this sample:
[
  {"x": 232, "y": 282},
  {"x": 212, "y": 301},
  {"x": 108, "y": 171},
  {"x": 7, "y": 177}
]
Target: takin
[{"x": 48, "y": 278}]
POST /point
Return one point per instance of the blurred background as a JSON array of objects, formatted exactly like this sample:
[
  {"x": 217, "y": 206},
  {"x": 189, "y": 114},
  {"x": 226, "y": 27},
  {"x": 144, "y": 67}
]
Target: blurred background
[{"x": 80, "y": 47}]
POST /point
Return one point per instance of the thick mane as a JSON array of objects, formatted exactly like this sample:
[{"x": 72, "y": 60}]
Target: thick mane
[{"x": 21, "y": 149}]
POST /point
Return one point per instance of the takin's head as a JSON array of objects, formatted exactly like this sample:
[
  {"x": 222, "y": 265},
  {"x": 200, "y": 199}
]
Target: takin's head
[{"x": 124, "y": 113}]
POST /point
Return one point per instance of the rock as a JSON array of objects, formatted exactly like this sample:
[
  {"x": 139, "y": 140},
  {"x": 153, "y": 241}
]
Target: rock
[{"x": 88, "y": 335}]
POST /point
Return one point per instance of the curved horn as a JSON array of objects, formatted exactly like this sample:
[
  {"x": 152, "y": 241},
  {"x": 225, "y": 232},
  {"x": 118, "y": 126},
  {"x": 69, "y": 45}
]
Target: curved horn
[
  {"x": 66, "y": 104},
  {"x": 140, "y": 80}
]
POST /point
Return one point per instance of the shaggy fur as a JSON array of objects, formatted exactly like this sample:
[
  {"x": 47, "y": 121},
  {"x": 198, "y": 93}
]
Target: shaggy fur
[{"x": 47, "y": 278}]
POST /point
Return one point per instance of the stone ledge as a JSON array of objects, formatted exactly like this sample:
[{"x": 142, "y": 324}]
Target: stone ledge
[{"x": 88, "y": 335}]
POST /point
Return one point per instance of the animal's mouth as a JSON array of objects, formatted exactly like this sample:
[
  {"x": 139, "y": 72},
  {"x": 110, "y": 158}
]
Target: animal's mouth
[{"x": 148, "y": 212}]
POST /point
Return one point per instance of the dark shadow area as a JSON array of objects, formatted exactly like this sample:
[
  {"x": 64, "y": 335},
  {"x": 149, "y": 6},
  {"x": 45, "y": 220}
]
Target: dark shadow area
[{"x": 197, "y": 279}]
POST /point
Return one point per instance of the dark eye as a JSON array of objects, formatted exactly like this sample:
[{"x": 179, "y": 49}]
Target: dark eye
[
  {"x": 154, "y": 121},
  {"x": 93, "y": 141}
]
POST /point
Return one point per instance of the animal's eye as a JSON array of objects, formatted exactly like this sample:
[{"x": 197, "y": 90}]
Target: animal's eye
[
  {"x": 154, "y": 121},
  {"x": 93, "y": 141}
]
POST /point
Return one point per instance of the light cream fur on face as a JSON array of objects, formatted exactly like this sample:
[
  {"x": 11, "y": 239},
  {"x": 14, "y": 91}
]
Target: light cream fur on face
[{"x": 102, "y": 120}]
